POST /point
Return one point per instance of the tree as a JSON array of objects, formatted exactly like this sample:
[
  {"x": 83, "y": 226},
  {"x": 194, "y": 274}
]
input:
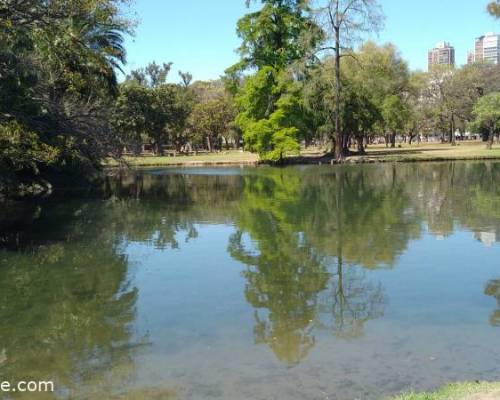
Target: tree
[
  {"x": 494, "y": 8},
  {"x": 372, "y": 74},
  {"x": 153, "y": 75},
  {"x": 417, "y": 108},
  {"x": 487, "y": 115},
  {"x": 150, "y": 109},
  {"x": 186, "y": 78},
  {"x": 452, "y": 93},
  {"x": 273, "y": 35},
  {"x": 213, "y": 120},
  {"x": 272, "y": 40},
  {"x": 58, "y": 63},
  {"x": 130, "y": 115},
  {"x": 359, "y": 114},
  {"x": 395, "y": 115},
  {"x": 344, "y": 22}
]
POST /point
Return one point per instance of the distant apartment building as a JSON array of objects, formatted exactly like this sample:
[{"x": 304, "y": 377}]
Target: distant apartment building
[
  {"x": 486, "y": 49},
  {"x": 442, "y": 54},
  {"x": 470, "y": 57}
]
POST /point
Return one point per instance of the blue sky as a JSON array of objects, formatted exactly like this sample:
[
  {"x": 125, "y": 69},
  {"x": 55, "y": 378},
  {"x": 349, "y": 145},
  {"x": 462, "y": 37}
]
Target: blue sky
[{"x": 199, "y": 36}]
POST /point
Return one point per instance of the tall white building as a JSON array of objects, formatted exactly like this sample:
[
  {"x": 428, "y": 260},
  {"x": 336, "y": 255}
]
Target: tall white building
[
  {"x": 491, "y": 49},
  {"x": 487, "y": 49},
  {"x": 442, "y": 54}
]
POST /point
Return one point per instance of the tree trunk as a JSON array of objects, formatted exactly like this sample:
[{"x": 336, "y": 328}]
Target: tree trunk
[
  {"x": 339, "y": 140},
  {"x": 393, "y": 140},
  {"x": 137, "y": 148},
  {"x": 489, "y": 146},
  {"x": 361, "y": 147},
  {"x": 209, "y": 144},
  {"x": 159, "y": 148},
  {"x": 453, "y": 139}
]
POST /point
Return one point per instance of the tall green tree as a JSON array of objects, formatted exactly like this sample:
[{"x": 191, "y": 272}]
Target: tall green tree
[{"x": 273, "y": 38}]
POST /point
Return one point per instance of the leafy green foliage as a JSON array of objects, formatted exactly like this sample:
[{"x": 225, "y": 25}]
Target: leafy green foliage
[
  {"x": 487, "y": 111},
  {"x": 213, "y": 121},
  {"x": 395, "y": 113},
  {"x": 148, "y": 110},
  {"x": 277, "y": 35},
  {"x": 494, "y": 9},
  {"x": 57, "y": 75},
  {"x": 270, "y": 102},
  {"x": 487, "y": 115},
  {"x": 22, "y": 152}
]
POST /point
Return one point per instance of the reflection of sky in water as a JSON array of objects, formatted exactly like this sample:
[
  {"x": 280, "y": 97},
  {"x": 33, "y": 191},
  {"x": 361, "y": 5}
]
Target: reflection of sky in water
[
  {"x": 434, "y": 328},
  {"x": 207, "y": 171}
]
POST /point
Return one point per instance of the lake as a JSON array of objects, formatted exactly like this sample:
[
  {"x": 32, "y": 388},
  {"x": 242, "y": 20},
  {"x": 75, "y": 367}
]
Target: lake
[{"x": 318, "y": 282}]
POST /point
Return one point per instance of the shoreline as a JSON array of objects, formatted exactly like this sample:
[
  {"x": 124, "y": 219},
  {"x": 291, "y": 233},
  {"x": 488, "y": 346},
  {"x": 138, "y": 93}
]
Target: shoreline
[
  {"x": 457, "y": 391},
  {"x": 376, "y": 154},
  {"x": 325, "y": 161}
]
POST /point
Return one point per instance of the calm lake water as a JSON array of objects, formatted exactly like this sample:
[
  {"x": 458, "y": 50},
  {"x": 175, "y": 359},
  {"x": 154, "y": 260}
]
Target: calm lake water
[{"x": 343, "y": 283}]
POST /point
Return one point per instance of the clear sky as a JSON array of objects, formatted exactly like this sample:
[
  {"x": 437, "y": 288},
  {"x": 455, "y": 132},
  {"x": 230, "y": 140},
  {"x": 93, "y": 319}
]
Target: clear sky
[{"x": 199, "y": 36}]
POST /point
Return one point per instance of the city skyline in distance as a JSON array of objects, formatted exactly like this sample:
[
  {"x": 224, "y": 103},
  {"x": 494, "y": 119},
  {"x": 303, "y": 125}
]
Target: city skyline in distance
[{"x": 486, "y": 49}]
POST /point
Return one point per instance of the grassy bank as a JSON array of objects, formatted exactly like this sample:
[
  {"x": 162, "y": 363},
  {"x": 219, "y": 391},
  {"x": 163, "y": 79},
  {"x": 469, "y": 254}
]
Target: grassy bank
[
  {"x": 222, "y": 158},
  {"x": 459, "y": 391},
  {"x": 376, "y": 153},
  {"x": 407, "y": 153},
  {"x": 431, "y": 152}
]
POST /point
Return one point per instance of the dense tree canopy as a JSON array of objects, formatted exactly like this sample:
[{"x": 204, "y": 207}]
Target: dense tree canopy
[
  {"x": 58, "y": 63},
  {"x": 487, "y": 115}
]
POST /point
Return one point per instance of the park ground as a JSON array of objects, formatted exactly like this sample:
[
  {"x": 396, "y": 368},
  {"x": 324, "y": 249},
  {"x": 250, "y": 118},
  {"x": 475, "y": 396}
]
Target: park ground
[
  {"x": 459, "y": 391},
  {"x": 375, "y": 153}
]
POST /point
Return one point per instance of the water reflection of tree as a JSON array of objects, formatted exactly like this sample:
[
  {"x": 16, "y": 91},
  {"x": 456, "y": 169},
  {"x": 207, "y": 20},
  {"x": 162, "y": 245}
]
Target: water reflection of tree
[
  {"x": 283, "y": 273},
  {"x": 493, "y": 289},
  {"x": 68, "y": 315},
  {"x": 282, "y": 286},
  {"x": 350, "y": 301},
  {"x": 288, "y": 253},
  {"x": 361, "y": 215},
  {"x": 66, "y": 309},
  {"x": 460, "y": 193},
  {"x": 154, "y": 208}
]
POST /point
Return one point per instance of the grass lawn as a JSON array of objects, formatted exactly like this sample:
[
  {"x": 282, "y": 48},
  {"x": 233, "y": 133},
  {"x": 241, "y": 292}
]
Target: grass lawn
[
  {"x": 459, "y": 391},
  {"x": 431, "y": 152},
  {"x": 375, "y": 153},
  {"x": 224, "y": 157}
]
